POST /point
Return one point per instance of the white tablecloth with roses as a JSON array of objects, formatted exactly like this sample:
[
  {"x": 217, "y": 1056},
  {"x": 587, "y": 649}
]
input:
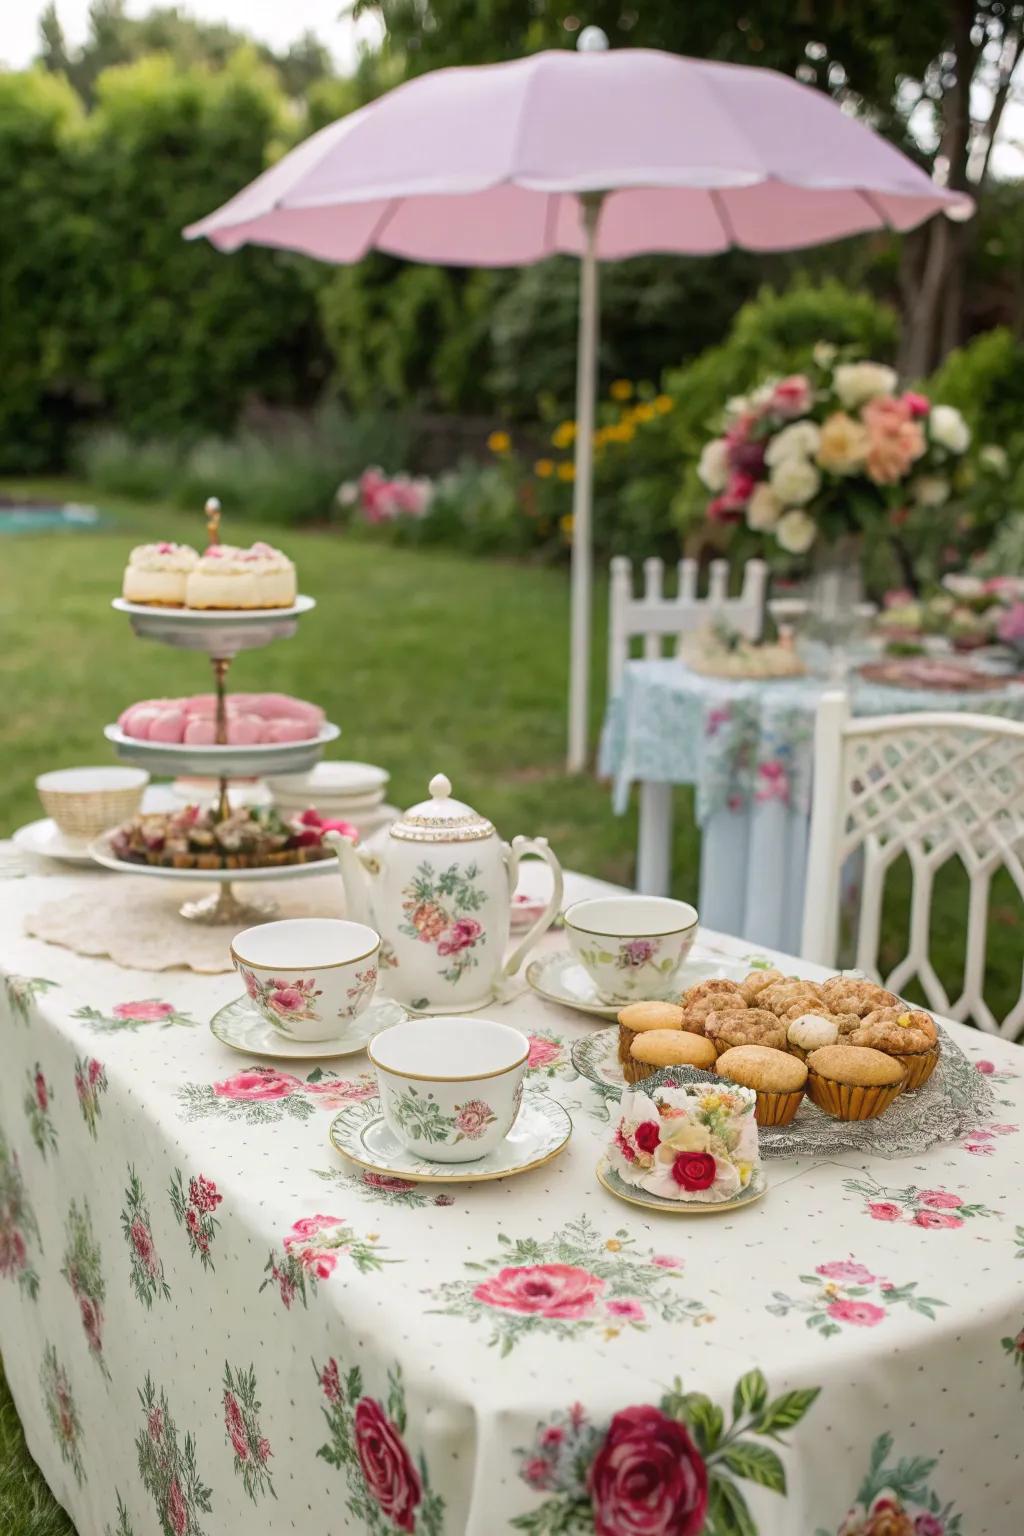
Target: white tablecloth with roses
[{"x": 212, "y": 1324}]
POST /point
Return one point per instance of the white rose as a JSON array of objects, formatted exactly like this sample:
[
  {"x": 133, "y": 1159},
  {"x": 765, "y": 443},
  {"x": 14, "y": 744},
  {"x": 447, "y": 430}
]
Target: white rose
[
  {"x": 347, "y": 493},
  {"x": 993, "y": 457},
  {"x": 796, "y": 532},
  {"x": 713, "y": 466},
  {"x": 947, "y": 427},
  {"x": 763, "y": 509},
  {"x": 856, "y": 382},
  {"x": 795, "y": 481},
  {"x": 930, "y": 490},
  {"x": 798, "y": 441}
]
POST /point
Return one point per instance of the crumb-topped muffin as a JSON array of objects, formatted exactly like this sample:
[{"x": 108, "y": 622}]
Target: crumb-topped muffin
[
  {"x": 777, "y": 1078},
  {"x": 157, "y": 574},
  {"x": 908, "y": 1034},
  {"x": 791, "y": 996},
  {"x": 754, "y": 984},
  {"x": 667, "y": 1048},
  {"x": 637, "y": 1018},
  {"x": 852, "y": 994},
  {"x": 853, "y": 1082},
  {"x": 748, "y": 1026},
  {"x": 703, "y": 998}
]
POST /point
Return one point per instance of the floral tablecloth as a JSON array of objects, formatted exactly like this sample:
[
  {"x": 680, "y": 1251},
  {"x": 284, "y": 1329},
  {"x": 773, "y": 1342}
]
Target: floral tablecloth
[{"x": 211, "y": 1323}]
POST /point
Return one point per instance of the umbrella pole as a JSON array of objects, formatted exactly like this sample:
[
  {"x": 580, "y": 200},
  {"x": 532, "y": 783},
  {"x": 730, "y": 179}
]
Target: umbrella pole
[{"x": 582, "y": 538}]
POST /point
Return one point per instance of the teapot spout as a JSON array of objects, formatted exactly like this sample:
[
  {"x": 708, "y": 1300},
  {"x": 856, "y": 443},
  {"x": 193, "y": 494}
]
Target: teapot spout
[{"x": 356, "y": 867}]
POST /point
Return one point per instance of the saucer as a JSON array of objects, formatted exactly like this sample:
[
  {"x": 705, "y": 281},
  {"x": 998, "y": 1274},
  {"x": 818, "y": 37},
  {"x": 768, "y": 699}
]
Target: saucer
[
  {"x": 244, "y": 1028},
  {"x": 560, "y": 978},
  {"x": 45, "y": 837},
  {"x": 610, "y": 1180},
  {"x": 541, "y": 1131}
]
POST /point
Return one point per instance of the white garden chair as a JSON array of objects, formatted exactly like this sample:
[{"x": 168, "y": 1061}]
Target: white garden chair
[
  {"x": 661, "y": 621},
  {"x": 659, "y": 624},
  {"x": 936, "y": 787}
]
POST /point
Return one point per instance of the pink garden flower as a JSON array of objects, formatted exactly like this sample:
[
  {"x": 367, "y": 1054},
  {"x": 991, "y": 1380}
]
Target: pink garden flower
[
  {"x": 150, "y": 1011},
  {"x": 936, "y": 1219},
  {"x": 544, "y": 1290},
  {"x": 257, "y": 1083},
  {"x": 940, "y": 1199},
  {"x": 542, "y": 1052},
  {"x": 884, "y": 1210},
  {"x": 846, "y": 1271},
  {"x": 918, "y": 405},
  {"x": 862, "y": 1314},
  {"x": 628, "y": 1311}
]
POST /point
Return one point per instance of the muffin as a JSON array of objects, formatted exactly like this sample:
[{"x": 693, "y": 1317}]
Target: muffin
[
  {"x": 748, "y": 1026},
  {"x": 853, "y": 994},
  {"x": 853, "y": 1082},
  {"x": 754, "y": 984},
  {"x": 703, "y": 998},
  {"x": 777, "y": 1078},
  {"x": 791, "y": 996},
  {"x": 636, "y": 1018},
  {"x": 809, "y": 1032},
  {"x": 909, "y": 1035},
  {"x": 666, "y": 1048}
]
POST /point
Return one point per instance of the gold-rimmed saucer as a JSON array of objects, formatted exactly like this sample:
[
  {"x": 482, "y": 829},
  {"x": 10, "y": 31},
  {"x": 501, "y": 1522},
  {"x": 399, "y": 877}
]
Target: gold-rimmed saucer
[
  {"x": 241, "y": 1026},
  {"x": 542, "y": 1129},
  {"x": 559, "y": 977},
  {"x": 632, "y": 1195}
]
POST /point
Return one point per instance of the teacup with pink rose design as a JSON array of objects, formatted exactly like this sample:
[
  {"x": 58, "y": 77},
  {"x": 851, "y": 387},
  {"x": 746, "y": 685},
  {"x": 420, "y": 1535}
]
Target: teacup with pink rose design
[
  {"x": 632, "y": 947},
  {"x": 308, "y": 976}
]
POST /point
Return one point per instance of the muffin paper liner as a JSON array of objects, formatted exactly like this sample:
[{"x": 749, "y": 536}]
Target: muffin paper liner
[{"x": 851, "y": 1101}]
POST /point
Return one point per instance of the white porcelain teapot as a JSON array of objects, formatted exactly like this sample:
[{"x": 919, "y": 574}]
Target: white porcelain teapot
[{"x": 438, "y": 889}]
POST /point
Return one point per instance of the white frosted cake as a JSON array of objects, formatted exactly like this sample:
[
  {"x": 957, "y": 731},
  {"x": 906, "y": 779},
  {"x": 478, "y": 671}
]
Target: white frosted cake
[
  {"x": 696, "y": 1143},
  {"x": 230, "y": 578},
  {"x": 158, "y": 574}
]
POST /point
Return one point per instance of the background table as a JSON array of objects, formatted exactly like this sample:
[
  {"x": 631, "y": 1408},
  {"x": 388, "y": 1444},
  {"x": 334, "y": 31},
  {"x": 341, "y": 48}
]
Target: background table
[
  {"x": 212, "y": 1323},
  {"x": 747, "y": 748}
]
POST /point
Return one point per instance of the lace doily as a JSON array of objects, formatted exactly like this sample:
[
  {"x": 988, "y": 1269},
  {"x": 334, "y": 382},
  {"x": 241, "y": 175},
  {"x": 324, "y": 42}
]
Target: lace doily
[{"x": 136, "y": 921}]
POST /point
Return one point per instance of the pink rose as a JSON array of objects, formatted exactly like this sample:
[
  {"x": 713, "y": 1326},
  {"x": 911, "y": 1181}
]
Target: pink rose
[
  {"x": 917, "y": 405},
  {"x": 203, "y": 1193},
  {"x": 629, "y": 1311},
  {"x": 42, "y": 1092},
  {"x": 884, "y": 1210},
  {"x": 862, "y": 1314},
  {"x": 257, "y": 1083},
  {"x": 177, "y": 1514},
  {"x": 936, "y": 1219},
  {"x": 461, "y": 935},
  {"x": 940, "y": 1199},
  {"x": 287, "y": 1000},
  {"x": 545, "y": 1290},
  {"x": 388, "y": 1471},
  {"x": 473, "y": 1118},
  {"x": 331, "y": 1381},
  {"x": 542, "y": 1052},
  {"x": 147, "y": 1012},
  {"x": 694, "y": 1170},
  {"x": 647, "y": 1136},
  {"x": 667, "y": 1261},
  {"x": 648, "y": 1478},
  {"x": 791, "y": 396},
  {"x": 309, "y": 1226},
  {"x": 987, "y": 1067},
  {"x": 638, "y": 952},
  {"x": 320, "y": 1265},
  {"x": 847, "y": 1271}
]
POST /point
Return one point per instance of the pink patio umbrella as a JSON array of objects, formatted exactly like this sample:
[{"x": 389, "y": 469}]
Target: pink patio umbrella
[{"x": 600, "y": 154}]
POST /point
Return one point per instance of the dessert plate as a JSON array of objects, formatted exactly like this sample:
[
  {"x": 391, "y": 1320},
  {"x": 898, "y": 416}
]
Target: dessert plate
[
  {"x": 243, "y": 1028},
  {"x": 560, "y": 978},
  {"x": 539, "y": 1134},
  {"x": 45, "y": 837},
  {"x": 99, "y": 853},
  {"x": 217, "y": 631},
  {"x": 610, "y": 1180},
  {"x": 237, "y": 761}
]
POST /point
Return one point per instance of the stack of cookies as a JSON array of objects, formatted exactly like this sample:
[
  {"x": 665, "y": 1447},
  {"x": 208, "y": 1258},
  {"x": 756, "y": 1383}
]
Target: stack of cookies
[{"x": 847, "y": 1043}]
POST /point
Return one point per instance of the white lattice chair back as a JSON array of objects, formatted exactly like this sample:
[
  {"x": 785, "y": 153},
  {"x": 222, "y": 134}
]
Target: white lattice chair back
[
  {"x": 938, "y": 788},
  {"x": 661, "y": 621}
]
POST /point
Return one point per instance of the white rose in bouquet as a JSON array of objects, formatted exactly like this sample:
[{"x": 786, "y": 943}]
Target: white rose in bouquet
[
  {"x": 763, "y": 509},
  {"x": 947, "y": 427},
  {"x": 930, "y": 490},
  {"x": 856, "y": 383},
  {"x": 796, "y": 532},
  {"x": 799, "y": 441},
  {"x": 713, "y": 465},
  {"x": 795, "y": 481}
]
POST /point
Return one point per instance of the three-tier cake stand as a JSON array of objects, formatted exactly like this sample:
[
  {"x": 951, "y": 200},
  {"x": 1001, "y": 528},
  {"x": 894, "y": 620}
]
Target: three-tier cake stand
[{"x": 222, "y": 635}]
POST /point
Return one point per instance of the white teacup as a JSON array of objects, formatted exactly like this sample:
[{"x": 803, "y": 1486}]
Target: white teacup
[
  {"x": 631, "y": 946},
  {"x": 308, "y": 976},
  {"x": 450, "y": 1088}
]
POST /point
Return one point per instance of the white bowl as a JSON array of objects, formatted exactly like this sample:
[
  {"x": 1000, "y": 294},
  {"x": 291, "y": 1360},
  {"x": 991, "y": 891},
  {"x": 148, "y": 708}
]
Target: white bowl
[
  {"x": 450, "y": 1088},
  {"x": 86, "y": 801},
  {"x": 631, "y": 946},
  {"x": 308, "y": 976},
  {"x": 331, "y": 787}
]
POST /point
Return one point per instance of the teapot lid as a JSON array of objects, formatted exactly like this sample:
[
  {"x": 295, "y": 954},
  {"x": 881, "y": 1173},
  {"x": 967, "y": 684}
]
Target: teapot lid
[{"x": 441, "y": 819}]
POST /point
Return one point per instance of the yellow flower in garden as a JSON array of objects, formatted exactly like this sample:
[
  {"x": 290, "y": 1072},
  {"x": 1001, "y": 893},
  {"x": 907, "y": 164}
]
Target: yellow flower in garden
[
  {"x": 621, "y": 389},
  {"x": 663, "y": 404},
  {"x": 544, "y": 468},
  {"x": 567, "y": 470},
  {"x": 564, "y": 435},
  {"x": 613, "y": 1245},
  {"x": 567, "y": 524},
  {"x": 499, "y": 442},
  {"x": 644, "y": 412}
]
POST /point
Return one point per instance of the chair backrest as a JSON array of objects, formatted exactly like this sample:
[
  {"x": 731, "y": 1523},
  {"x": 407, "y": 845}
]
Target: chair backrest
[
  {"x": 938, "y": 788},
  {"x": 659, "y": 620}
]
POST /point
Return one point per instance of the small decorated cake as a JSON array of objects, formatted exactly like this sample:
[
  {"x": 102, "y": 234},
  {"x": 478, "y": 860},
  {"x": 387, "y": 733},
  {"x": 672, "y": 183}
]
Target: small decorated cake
[
  {"x": 158, "y": 574},
  {"x": 231, "y": 578},
  {"x": 695, "y": 1143}
]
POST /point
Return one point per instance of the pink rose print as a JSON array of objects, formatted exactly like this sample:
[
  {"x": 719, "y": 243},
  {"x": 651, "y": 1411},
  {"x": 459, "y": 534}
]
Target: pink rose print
[
  {"x": 548, "y": 1290},
  {"x": 463, "y": 933},
  {"x": 648, "y": 1478},
  {"x": 537, "y": 1472},
  {"x": 258, "y": 1083},
  {"x": 235, "y": 1426},
  {"x": 987, "y": 1067},
  {"x": 980, "y": 1148},
  {"x": 331, "y": 1382},
  {"x": 95, "y": 1072},
  {"x": 177, "y": 1514},
  {"x": 142, "y": 1242},
  {"x": 542, "y": 1052},
  {"x": 309, "y": 1226},
  {"x": 252, "y": 986},
  {"x": 203, "y": 1194},
  {"x": 667, "y": 1261},
  {"x": 473, "y": 1118},
  {"x": 148, "y": 1012},
  {"x": 284, "y": 999},
  {"x": 936, "y": 1219},
  {"x": 940, "y": 1199},
  {"x": 631, "y": 1311},
  {"x": 862, "y": 1314},
  {"x": 884, "y": 1210},
  {"x": 321, "y": 1265},
  {"x": 263, "y": 1450},
  {"x": 552, "y": 1436},
  {"x": 155, "y": 1423},
  {"x": 388, "y": 1470},
  {"x": 928, "y": 1525},
  {"x": 635, "y": 953},
  {"x": 846, "y": 1271},
  {"x": 386, "y": 1181}
]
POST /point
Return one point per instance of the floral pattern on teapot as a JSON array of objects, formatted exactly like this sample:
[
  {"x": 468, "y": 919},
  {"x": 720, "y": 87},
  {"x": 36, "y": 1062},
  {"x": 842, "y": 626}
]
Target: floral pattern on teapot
[{"x": 437, "y": 908}]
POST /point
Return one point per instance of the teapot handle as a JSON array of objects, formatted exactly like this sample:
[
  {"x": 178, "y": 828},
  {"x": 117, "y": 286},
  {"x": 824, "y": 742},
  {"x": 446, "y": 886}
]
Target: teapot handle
[{"x": 518, "y": 848}]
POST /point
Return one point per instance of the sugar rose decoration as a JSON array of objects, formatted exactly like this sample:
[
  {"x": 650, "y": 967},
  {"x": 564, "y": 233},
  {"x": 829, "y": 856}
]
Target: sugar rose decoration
[
  {"x": 686, "y": 1143},
  {"x": 674, "y": 1468}
]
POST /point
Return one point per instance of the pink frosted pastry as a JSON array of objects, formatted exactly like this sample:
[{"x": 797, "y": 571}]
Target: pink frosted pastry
[
  {"x": 252, "y": 719},
  {"x": 231, "y": 578},
  {"x": 158, "y": 574},
  {"x": 287, "y": 730},
  {"x": 168, "y": 726},
  {"x": 245, "y": 730},
  {"x": 200, "y": 733}
]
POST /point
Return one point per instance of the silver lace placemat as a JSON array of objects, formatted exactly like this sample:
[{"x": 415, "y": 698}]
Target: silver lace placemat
[{"x": 953, "y": 1101}]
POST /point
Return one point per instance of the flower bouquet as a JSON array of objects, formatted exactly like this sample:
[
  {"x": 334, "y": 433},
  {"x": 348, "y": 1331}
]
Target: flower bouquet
[
  {"x": 837, "y": 450},
  {"x": 694, "y": 1143}
]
